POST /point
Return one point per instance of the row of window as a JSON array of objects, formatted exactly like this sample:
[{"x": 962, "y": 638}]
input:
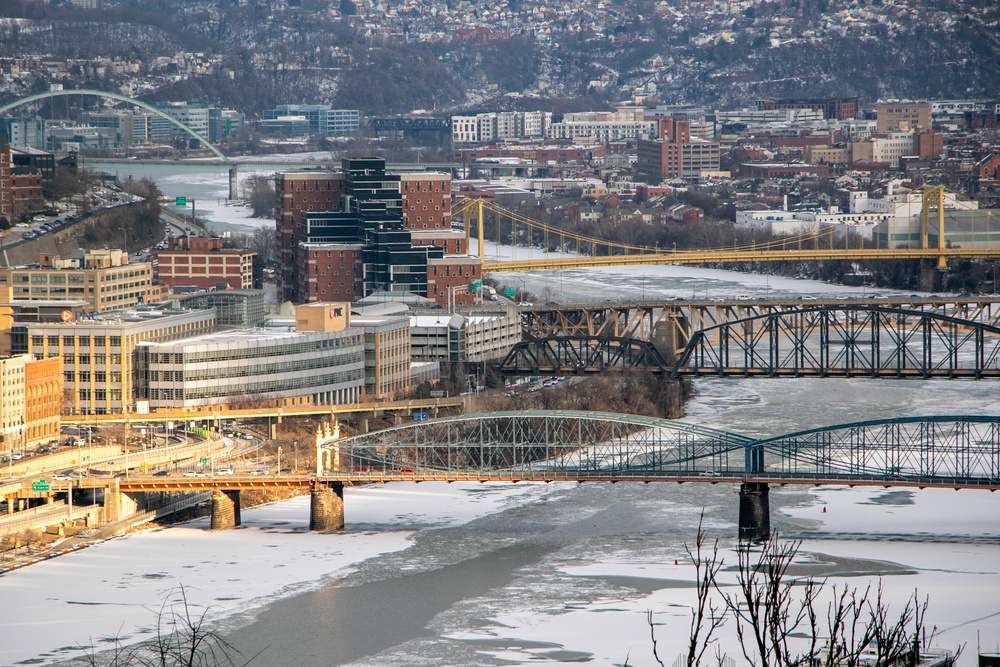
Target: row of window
[{"x": 84, "y": 341}]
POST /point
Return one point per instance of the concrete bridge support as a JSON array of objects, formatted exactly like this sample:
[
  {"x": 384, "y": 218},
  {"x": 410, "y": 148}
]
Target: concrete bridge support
[
  {"x": 326, "y": 507},
  {"x": 226, "y": 509},
  {"x": 118, "y": 505},
  {"x": 755, "y": 512},
  {"x": 233, "y": 184}
]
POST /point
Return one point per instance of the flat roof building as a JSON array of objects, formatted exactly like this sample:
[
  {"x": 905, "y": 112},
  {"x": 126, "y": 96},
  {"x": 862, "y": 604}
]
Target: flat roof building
[
  {"x": 99, "y": 353},
  {"x": 251, "y": 366},
  {"x": 102, "y": 278}
]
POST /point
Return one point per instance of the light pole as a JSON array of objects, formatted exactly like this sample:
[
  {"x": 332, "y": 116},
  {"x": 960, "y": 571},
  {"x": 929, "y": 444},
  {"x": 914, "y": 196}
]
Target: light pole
[{"x": 279, "y": 459}]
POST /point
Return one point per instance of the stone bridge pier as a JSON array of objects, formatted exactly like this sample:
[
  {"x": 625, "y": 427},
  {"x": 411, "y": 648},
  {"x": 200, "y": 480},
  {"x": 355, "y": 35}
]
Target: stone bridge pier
[
  {"x": 755, "y": 512},
  {"x": 226, "y": 509},
  {"x": 326, "y": 507}
]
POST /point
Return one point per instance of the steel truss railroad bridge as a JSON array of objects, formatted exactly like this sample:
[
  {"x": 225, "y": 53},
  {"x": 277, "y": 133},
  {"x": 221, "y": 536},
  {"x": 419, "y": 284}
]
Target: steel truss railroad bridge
[
  {"x": 901, "y": 338},
  {"x": 943, "y": 451}
]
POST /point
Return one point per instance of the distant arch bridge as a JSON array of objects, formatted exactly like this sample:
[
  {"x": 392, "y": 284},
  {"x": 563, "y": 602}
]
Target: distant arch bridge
[{"x": 120, "y": 98}]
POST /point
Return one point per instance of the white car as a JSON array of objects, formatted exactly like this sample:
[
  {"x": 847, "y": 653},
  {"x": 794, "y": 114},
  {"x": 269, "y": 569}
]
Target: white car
[
  {"x": 195, "y": 473},
  {"x": 219, "y": 473},
  {"x": 258, "y": 472}
]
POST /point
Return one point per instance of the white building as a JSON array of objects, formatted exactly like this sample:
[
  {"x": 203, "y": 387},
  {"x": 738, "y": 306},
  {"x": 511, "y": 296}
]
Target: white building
[
  {"x": 255, "y": 364},
  {"x": 497, "y": 126},
  {"x": 458, "y": 338}
]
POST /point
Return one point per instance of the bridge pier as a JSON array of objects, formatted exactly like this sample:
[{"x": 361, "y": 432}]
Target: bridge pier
[
  {"x": 326, "y": 506},
  {"x": 755, "y": 512},
  {"x": 226, "y": 509},
  {"x": 233, "y": 182},
  {"x": 117, "y": 505}
]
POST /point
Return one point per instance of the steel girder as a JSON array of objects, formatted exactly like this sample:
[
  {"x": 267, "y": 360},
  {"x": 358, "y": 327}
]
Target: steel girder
[
  {"x": 545, "y": 442},
  {"x": 675, "y": 322},
  {"x": 954, "y": 451},
  {"x": 963, "y": 450},
  {"x": 869, "y": 341},
  {"x": 581, "y": 355}
]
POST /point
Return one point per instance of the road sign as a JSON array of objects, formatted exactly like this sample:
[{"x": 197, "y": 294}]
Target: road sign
[
  {"x": 180, "y": 201},
  {"x": 509, "y": 292},
  {"x": 475, "y": 285},
  {"x": 203, "y": 460},
  {"x": 419, "y": 416},
  {"x": 39, "y": 485}
]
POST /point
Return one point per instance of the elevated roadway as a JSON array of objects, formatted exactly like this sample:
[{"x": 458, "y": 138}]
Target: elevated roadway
[{"x": 220, "y": 412}]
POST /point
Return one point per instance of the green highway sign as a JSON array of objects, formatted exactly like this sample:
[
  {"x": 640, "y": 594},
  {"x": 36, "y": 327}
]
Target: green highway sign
[
  {"x": 39, "y": 485},
  {"x": 203, "y": 460},
  {"x": 509, "y": 292},
  {"x": 475, "y": 285},
  {"x": 180, "y": 201}
]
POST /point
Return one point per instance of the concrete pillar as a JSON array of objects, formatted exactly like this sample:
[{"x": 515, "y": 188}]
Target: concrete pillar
[
  {"x": 928, "y": 277},
  {"x": 233, "y": 183},
  {"x": 223, "y": 512},
  {"x": 755, "y": 512},
  {"x": 117, "y": 505},
  {"x": 326, "y": 507}
]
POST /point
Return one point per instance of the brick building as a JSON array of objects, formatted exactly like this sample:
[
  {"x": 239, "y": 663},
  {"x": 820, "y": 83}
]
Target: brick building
[
  {"x": 193, "y": 261},
  {"x": 6, "y": 186},
  {"x": 676, "y": 154},
  {"x": 902, "y": 116},
  {"x": 345, "y": 235}
]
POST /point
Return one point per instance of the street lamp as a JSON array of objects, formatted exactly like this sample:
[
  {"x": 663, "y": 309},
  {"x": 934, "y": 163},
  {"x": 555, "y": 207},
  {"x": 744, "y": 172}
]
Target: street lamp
[{"x": 279, "y": 459}]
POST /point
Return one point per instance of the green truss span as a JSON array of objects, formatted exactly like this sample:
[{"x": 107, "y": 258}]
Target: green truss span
[{"x": 961, "y": 451}]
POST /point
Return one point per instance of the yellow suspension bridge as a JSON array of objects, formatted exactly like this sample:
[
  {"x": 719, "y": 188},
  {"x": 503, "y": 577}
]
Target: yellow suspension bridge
[{"x": 575, "y": 250}]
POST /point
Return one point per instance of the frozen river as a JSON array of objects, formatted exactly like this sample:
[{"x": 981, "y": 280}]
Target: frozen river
[{"x": 437, "y": 574}]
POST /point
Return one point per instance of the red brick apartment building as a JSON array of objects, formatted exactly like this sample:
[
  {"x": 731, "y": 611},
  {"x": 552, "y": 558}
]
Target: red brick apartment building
[{"x": 193, "y": 261}]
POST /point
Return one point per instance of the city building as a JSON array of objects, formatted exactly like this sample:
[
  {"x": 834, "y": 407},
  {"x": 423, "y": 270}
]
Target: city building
[
  {"x": 902, "y": 116},
  {"x": 322, "y": 357},
  {"x": 833, "y": 108},
  {"x": 196, "y": 261},
  {"x": 37, "y": 163},
  {"x": 99, "y": 361},
  {"x": 472, "y": 337},
  {"x": 31, "y": 396},
  {"x": 499, "y": 125},
  {"x": 233, "y": 308},
  {"x": 387, "y": 351},
  {"x": 345, "y": 235},
  {"x": 676, "y": 154},
  {"x": 320, "y": 119},
  {"x": 102, "y": 278},
  {"x": 43, "y": 394},
  {"x": 6, "y": 185},
  {"x": 603, "y": 126}
]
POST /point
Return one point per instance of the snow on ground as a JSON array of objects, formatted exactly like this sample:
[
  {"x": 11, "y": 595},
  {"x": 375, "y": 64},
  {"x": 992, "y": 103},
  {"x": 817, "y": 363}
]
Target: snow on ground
[
  {"x": 960, "y": 580},
  {"x": 116, "y": 587}
]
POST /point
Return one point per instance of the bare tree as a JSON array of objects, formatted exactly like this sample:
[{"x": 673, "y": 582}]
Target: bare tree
[
  {"x": 258, "y": 191},
  {"x": 183, "y": 639},
  {"x": 778, "y": 617},
  {"x": 706, "y": 615},
  {"x": 263, "y": 241}
]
